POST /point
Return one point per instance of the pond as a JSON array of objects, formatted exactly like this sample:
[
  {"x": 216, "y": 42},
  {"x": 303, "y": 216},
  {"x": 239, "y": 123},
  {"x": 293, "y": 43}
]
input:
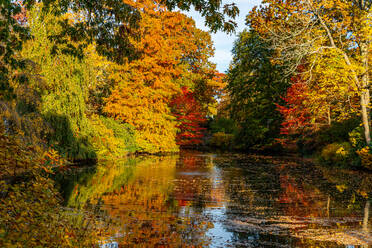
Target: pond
[{"x": 230, "y": 200}]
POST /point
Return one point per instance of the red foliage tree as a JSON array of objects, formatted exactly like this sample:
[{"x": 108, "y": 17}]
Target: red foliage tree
[
  {"x": 190, "y": 118},
  {"x": 296, "y": 115}
]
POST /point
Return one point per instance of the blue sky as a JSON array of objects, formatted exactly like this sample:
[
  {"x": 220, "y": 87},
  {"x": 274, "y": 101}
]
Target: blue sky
[{"x": 222, "y": 41}]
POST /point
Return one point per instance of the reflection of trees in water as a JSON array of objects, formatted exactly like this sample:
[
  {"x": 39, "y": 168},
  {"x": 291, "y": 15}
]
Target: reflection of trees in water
[
  {"x": 142, "y": 206},
  {"x": 138, "y": 196},
  {"x": 194, "y": 191},
  {"x": 301, "y": 191},
  {"x": 350, "y": 193},
  {"x": 85, "y": 188},
  {"x": 192, "y": 181},
  {"x": 164, "y": 201},
  {"x": 287, "y": 198},
  {"x": 353, "y": 191},
  {"x": 252, "y": 187}
]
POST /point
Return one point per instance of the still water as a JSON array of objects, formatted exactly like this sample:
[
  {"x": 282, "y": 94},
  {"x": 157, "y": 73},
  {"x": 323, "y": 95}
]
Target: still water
[{"x": 232, "y": 200}]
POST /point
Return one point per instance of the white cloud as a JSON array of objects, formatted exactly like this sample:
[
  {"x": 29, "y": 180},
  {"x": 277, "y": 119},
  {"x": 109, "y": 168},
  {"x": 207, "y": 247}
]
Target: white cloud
[{"x": 222, "y": 41}]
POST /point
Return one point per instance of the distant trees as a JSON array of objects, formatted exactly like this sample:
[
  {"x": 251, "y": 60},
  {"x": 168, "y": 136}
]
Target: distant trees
[
  {"x": 303, "y": 67},
  {"x": 255, "y": 86}
]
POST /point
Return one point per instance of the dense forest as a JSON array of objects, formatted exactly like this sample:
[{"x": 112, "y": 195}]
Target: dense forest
[{"x": 91, "y": 80}]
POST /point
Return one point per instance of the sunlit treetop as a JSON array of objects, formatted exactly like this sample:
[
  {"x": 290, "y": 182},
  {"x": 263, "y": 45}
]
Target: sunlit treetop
[
  {"x": 217, "y": 16},
  {"x": 109, "y": 22}
]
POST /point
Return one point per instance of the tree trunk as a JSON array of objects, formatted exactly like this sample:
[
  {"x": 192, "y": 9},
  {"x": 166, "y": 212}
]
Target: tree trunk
[
  {"x": 365, "y": 95},
  {"x": 328, "y": 205},
  {"x": 366, "y": 216},
  {"x": 364, "y": 101},
  {"x": 329, "y": 116}
]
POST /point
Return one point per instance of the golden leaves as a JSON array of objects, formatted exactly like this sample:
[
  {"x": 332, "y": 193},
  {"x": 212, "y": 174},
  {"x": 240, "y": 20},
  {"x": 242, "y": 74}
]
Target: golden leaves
[{"x": 144, "y": 87}]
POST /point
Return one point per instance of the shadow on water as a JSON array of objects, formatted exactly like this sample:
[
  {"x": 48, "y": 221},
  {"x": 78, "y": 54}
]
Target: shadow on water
[{"x": 230, "y": 200}]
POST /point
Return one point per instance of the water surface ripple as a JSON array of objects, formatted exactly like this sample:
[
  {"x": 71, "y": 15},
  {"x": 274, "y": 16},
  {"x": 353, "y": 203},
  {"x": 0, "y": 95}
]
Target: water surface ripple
[{"x": 232, "y": 200}]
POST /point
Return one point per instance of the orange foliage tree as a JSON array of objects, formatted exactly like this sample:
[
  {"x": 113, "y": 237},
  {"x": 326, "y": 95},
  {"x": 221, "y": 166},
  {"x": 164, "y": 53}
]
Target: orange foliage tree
[{"x": 173, "y": 53}]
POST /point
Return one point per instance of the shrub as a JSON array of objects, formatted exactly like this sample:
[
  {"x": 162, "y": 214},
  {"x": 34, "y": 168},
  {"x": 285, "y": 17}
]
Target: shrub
[
  {"x": 104, "y": 141},
  {"x": 338, "y": 154},
  {"x": 31, "y": 213},
  {"x": 222, "y": 124},
  {"x": 110, "y": 138},
  {"x": 338, "y": 131},
  {"x": 123, "y": 131},
  {"x": 365, "y": 157},
  {"x": 222, "y": 140},
  {"x": 356, "y": 138}
]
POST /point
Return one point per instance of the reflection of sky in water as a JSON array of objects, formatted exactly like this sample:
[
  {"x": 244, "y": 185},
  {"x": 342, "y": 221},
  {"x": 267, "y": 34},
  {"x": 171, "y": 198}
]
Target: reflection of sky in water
[
  {"x": 219, "y": 236},
  {"x": 109, "y": 244}
]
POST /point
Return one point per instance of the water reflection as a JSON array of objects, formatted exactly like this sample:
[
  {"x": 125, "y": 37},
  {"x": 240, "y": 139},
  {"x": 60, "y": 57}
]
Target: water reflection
[{"x": 201, "y": 200}]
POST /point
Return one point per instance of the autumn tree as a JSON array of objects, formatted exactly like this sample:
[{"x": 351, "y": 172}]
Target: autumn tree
[
  {"x": 109, "y": 24},
  {"x": 67, "y": 79},
  {"x": 13, "y": 33},
  {"x": 307, "y": 30},
  {"x": 332, "y": 97},
  {"x": 201, "y": 76},
  {"x": 190, "y": 118},
  {"x": 328, "y": 98},
  {"x": 172, "y": 51},
  {"x": 296, "y": 115},
  {"x": 61, "y": 81}
]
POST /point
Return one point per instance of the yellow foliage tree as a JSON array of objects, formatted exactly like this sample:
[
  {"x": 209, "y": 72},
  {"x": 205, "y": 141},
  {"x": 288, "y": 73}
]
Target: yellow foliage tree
[
  {"x": 331, "y": 97},
  {"x": 303, "y": 31}
]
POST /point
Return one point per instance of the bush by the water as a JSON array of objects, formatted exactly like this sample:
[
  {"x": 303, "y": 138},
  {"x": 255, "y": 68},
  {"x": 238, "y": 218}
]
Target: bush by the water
[
  {"x": 31, "y": 210},
  {"x": 356, "y": 138},
  {"x": 351, "y": 152},
  {"x": 338, "y": 154},
  {"x": 365, "y": 157},
  {"x": 338, "y": 132},
  {"x": 222, "y": 140},
  {"x": 222, "y": 124},
  {"x": 125, "y": 132}
]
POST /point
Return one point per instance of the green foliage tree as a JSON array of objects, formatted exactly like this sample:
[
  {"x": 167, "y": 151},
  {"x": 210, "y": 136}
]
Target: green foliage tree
[
  {"x": 12, "y": 35},
  {"x": 62, "y": 84},
  {"x": 256, "y": 85}
]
